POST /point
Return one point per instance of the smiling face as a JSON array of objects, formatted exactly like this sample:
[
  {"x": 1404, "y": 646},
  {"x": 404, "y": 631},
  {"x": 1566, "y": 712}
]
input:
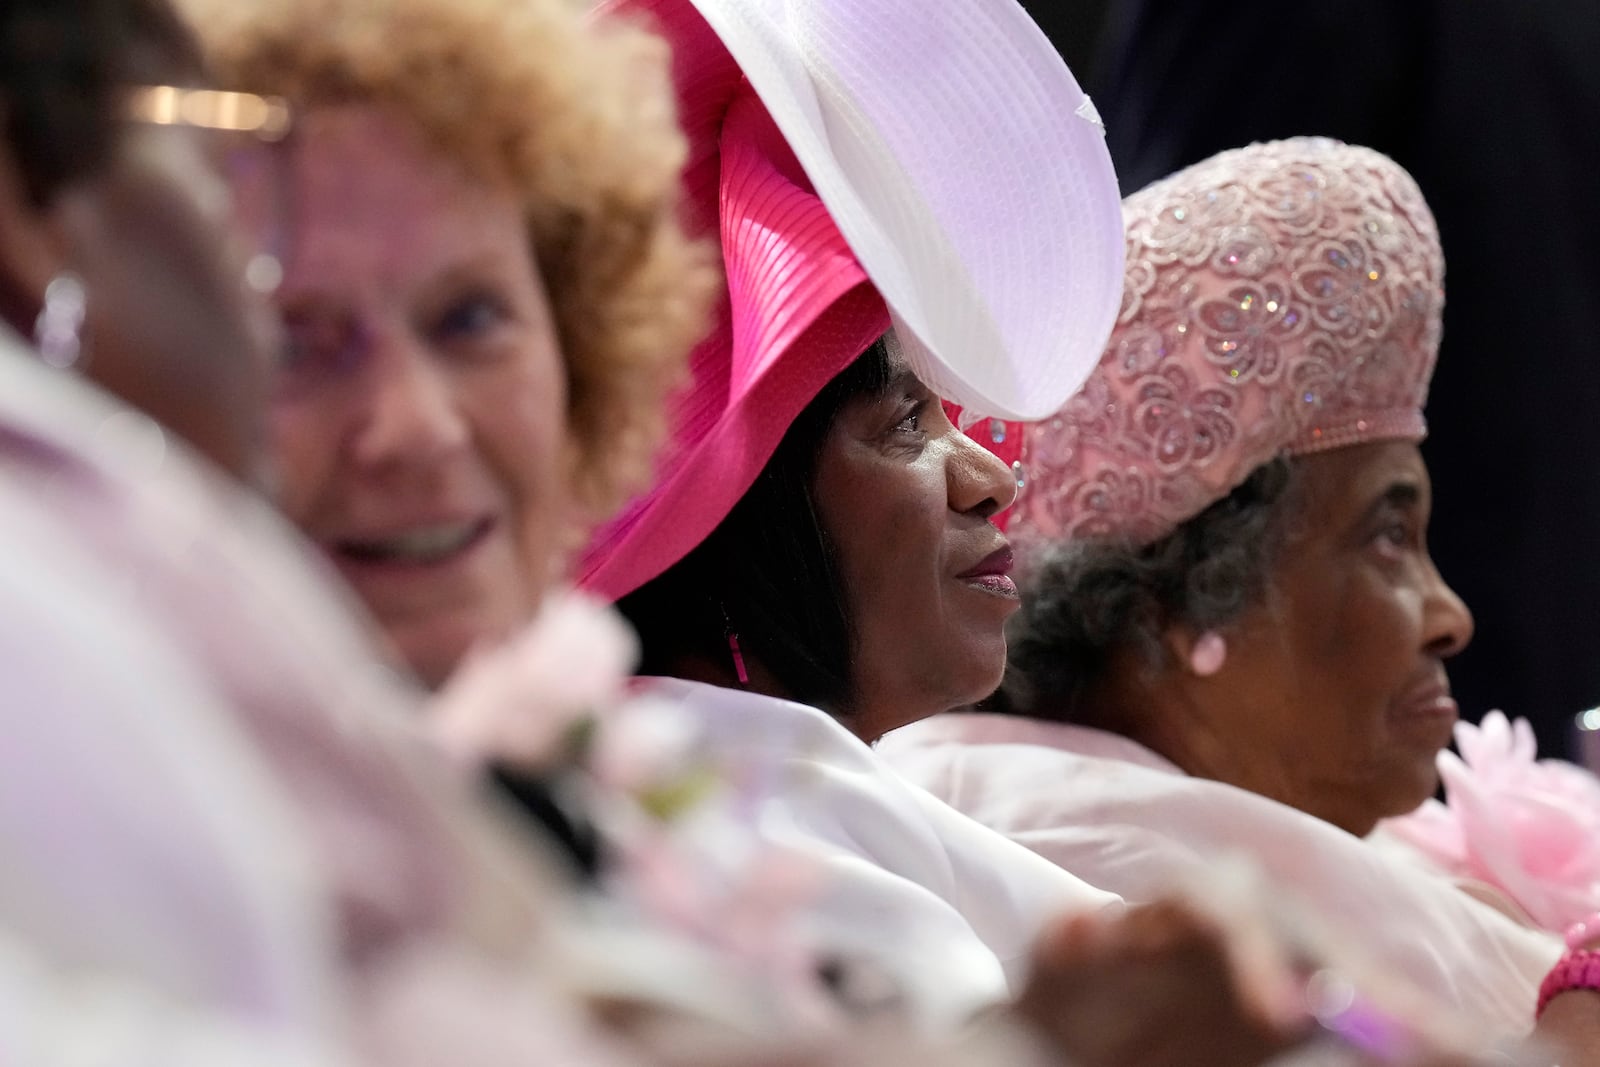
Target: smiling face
[
  {"x": 906, "y": 500},
  {"x": 419, "y": 420},
  {"x": 1333, "y": 696}
]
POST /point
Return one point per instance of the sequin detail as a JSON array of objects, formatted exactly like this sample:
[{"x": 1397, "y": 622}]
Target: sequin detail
[
  {"x": 1281, "y": 298},
  {"x": 1090, "y": 114}
]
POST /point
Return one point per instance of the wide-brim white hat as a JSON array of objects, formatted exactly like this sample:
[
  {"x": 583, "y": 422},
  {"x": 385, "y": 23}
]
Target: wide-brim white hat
[
  {"x": 966, "y": 169},
  {"x": 923, "y": 168}
]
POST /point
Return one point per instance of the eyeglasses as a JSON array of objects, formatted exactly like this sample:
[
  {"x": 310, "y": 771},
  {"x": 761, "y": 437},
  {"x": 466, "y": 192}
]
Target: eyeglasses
[
  {"x": 267, "y": 117},
  {"x": 251, "y": 133}
]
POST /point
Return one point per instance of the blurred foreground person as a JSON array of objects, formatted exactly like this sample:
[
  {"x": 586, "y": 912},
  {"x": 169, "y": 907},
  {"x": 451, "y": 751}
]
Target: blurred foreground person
[{"x": 157, "y": 896}]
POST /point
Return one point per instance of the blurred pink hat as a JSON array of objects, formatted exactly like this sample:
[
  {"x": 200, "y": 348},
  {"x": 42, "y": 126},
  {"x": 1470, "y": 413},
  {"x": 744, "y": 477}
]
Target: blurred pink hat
[
  {"x": 870, "y": 164},
  {"x": 1281, "y": 299}
]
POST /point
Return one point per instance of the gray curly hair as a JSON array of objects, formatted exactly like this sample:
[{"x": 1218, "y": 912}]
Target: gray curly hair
[{"x": 1086, "y": 598}]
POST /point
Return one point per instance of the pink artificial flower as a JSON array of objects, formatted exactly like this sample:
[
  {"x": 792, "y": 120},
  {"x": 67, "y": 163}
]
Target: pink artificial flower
[
  {"x": 651, "y": 750},
  {"x": 519, "y": 701},
  {"x": 1527, "y": 826},
  {"x": 677, "y": 821},
  {"x": 706, "y": 877}
]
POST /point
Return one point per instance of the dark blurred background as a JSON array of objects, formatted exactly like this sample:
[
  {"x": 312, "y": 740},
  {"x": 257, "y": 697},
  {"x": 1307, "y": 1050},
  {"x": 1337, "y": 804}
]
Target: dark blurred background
[{"x": 1494, "y": 107}]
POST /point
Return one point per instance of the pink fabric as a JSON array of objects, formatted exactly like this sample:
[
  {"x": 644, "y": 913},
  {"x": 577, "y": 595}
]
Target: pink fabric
[
  {"x": 219, "y": 575},
  {"x": 1280, "y": 299},
  {"x": 1126, "y": 820},
  {"x": 800, "y": 309},
  {"x": 141, "y": 837},
  {"x": 214, "y": 571}
]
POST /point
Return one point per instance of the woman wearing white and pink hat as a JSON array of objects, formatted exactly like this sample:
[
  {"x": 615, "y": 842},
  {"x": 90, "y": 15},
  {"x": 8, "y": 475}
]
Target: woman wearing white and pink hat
[
  {"x": 818, "y": 561},
  {"x": 832, "y": 234}
]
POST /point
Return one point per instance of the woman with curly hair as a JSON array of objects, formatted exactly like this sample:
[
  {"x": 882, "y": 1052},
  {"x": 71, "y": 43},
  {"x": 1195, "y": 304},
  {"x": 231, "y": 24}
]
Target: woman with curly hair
[
  {"x": 1233, "y": 639},
  {"x": 487, "y": 296}
]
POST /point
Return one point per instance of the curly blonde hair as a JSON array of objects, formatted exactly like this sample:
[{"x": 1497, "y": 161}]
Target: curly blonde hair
[{"x": 579, "y": 114}]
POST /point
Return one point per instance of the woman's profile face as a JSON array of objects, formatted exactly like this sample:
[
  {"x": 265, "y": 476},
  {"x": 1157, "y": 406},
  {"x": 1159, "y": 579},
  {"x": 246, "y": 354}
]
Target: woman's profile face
[
  {"x": 1334, "y": 696},
  {"x": 906, "y": 499},
  {"x": 419, "y": 420}
]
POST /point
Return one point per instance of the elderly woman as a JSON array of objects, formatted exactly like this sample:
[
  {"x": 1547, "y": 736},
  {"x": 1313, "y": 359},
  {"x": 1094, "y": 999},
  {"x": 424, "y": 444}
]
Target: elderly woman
[{"x": 1233, "y": 639}]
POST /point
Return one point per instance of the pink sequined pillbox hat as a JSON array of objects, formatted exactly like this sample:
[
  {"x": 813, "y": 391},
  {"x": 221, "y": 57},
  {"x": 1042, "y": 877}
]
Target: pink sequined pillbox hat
[{"x": 1280, "y": 299}]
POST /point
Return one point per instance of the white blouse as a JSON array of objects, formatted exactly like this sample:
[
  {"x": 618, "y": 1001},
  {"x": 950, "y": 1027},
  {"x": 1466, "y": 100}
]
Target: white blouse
[
  {"x": 1125, "y": 819},
  {"x": 944, "y": 906}
]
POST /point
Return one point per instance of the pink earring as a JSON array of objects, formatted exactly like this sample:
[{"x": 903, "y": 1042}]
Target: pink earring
[
  {"x": 733, "y": 649},
  {"x": 738, "y": 658},
  {"x": 1208, "y": 654}
]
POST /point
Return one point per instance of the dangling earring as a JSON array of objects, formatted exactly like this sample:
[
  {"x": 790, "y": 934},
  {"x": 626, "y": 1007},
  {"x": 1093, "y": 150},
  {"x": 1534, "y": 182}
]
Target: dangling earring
[
  {"x": 1209, "y": 653},
  {"x": 57, "y": 332},
  {"x": 733, "y": 649}
]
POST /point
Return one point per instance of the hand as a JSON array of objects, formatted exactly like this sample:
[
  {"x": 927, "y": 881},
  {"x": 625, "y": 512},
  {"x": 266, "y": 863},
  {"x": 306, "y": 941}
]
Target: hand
[
  {"x": 1570, "y": 1026},
  {"x": 1156, "y": 986}
]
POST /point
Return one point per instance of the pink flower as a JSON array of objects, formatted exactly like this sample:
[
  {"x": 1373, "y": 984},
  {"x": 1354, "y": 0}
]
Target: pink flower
[
  {"x": 678, "y": 819},
  {"x": 519, "y": 701},
  {"x": 1527, "y": 826},
  {"x": 710, "y": 879}
]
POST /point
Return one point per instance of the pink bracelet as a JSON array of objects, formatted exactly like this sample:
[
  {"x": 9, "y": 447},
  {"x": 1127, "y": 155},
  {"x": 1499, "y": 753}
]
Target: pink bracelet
[{"x": 1576, "y": 969}]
